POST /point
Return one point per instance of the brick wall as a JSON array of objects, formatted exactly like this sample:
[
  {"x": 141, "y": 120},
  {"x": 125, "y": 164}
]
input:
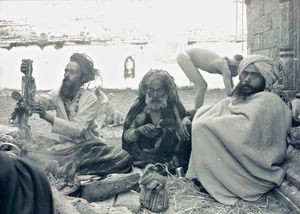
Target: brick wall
[{"x": 263, "y": 17}]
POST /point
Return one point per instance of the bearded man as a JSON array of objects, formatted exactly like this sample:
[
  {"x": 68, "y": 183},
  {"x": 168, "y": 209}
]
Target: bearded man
[
  {"x": 238, "y": 144},
  {"x": 151, "y": 128},
  {"x": 79, "y": 148}
]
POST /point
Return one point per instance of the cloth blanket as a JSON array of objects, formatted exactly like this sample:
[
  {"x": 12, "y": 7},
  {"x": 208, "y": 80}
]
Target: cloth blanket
[
  {"x": 143, "y": 150},
  {"x": 237, "y": 147},
  {"x": 91, "y": 157},
  {"x": 23, "y": 188}
]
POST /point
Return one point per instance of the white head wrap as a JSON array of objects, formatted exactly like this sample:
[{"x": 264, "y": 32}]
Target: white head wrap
[{"x": 264, "y": 65}]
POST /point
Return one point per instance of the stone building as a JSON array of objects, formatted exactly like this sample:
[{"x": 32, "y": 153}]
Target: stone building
[{"x": 273, "y": 30}]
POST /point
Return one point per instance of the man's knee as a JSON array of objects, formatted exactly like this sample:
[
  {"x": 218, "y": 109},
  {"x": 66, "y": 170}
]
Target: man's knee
[{"x": 182, "y": 58}]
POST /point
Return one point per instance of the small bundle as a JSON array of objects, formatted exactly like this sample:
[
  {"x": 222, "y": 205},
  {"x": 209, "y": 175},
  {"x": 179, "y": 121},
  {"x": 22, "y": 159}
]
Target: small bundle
[{"x": 153, "y": 193}]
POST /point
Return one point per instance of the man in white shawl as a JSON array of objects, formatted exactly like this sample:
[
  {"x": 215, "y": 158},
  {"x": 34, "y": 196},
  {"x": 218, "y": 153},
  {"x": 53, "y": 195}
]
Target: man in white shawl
[
  {"x": 79, "y": 147},
  {"x": 239, "y": 143}
]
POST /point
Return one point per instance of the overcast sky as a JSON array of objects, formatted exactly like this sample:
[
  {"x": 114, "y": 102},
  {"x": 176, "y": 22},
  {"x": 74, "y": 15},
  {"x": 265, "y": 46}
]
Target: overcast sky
[
  {"x": 146, "y": 16},
  {"x": 166, "y": 20}
]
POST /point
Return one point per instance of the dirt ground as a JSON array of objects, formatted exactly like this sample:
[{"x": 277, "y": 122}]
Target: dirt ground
[{"x": 122, "y": 100}]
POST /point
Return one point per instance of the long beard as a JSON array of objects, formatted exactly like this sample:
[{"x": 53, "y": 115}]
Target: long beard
[
  {"x": 244, "y": 90},
  {"x": 156, "y": 104},
  {"x": 68, "y": 89}
]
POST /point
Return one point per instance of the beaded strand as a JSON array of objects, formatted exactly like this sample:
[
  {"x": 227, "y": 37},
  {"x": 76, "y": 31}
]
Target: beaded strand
[{"x": 76, "y": 104}]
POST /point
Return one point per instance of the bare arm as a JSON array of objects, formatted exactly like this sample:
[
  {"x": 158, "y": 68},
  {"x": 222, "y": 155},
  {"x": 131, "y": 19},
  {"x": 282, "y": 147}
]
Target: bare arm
[{"x": 227, "y": 79}]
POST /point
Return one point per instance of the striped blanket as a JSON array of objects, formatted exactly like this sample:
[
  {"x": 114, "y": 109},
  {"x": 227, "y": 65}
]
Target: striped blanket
[{"x": 91, "y": 157}]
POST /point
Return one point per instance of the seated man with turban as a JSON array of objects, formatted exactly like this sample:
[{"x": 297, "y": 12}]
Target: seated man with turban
[
  {"x": 79, "y": 149},
  {"x": 151, "y": 128},
  {"x": 238, "y": 144}
]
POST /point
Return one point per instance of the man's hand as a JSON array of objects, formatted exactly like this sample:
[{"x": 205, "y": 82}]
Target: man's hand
[
  {"x": 38, "y": 108},
  {"x": 185, "y": 129},
  {"x": 149, "y": 130}
]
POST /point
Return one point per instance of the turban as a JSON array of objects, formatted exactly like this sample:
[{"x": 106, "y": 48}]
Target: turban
[
  {"x": 263, "y": 65},
  {"x": 86, "y": 65}
]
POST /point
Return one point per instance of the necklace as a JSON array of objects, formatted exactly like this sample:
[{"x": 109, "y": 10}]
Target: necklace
[{"x": 76, "y": 104}]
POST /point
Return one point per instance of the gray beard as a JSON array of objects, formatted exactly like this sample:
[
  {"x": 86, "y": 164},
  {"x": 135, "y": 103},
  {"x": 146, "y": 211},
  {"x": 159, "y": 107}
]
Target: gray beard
[{"x": 155, "y": 104}]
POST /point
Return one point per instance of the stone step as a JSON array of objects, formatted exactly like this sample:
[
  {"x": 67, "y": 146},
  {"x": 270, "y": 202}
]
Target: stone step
[
  {"x": 292, "y": 166},
  {"x": 288, "y": 192},
  {"x": 289, "y": 196}
]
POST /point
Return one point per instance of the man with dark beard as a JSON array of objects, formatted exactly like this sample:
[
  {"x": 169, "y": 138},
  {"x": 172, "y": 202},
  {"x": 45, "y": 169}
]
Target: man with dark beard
[
  {"x": 151, "y": 128},
  {"x": 79, "y": 149},
  {"x": 240, "y": 142},
  {"x": 251, "y": 82}
]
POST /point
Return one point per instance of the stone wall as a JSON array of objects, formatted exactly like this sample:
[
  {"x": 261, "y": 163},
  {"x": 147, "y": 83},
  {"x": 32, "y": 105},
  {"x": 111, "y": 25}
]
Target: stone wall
[
  {"x": 263, "y": 21},
  {"x": 273, "y": 30}
]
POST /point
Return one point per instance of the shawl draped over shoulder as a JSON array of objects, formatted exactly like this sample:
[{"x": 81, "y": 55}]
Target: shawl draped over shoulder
[{"x": 237, "y": 148}]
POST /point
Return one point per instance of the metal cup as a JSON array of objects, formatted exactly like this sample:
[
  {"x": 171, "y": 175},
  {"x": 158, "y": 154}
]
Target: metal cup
[{"x": 179, "y": 172}]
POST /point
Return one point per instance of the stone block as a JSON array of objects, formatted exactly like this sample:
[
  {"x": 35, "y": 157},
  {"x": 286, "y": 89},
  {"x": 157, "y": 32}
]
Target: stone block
[
  {"x": 275, "y": 16},
  {"x": 289, "y": 196},
  {"x": 264, "y": 52},
  {"x": 257, "y": 8},
  {"x": 288, "y": 192},
  {"x": 270, "y": 5},
  {"x": 270, "y": 38},
  {"x": 255, "y": 42},
  {"x": 274, "y": 53},
  {"x": 292, "y": 166},
  {"x": 250, "y": 25},
  {"x": 263, "y": 23},
  {"x": 131, "y": 200}
]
